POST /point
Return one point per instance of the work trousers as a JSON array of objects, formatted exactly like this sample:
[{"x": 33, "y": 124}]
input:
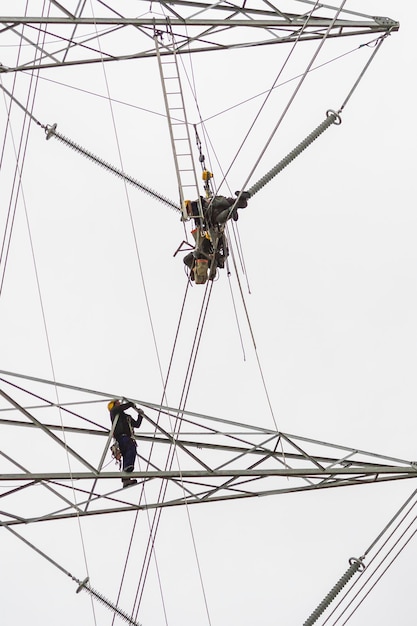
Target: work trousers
[{"x": 127, "y": 447}]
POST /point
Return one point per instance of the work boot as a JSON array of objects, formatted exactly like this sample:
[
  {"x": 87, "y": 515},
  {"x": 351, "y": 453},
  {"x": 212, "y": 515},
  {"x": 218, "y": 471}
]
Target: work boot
[
  {"x": 128, "y": 481},
  {"x": 200, "y": 271}
]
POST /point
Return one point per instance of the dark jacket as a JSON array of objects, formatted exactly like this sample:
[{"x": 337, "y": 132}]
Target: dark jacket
[
  {"x": 218, "y": 209},
  {"x": 125, "y": 424}
]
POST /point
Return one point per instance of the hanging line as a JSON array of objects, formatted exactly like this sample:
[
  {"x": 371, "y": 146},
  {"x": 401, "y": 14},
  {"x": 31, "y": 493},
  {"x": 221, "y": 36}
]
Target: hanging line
[
  {"x": 30, "y": 115},
  {"x": 172, "y": 451},
  {"x": 246, "y": 314},
  {"x": 28, "y": 110},
  {"x": 162, "y": 199},
  {"x": 151, "y": 539},
  {"x": 172, "y": 206},
  {"x": 168, "y": 464},
  {"x": 169, "y": 461},
  {"x": 17, "y": 189},
  {"x": 31, "y": 101}
]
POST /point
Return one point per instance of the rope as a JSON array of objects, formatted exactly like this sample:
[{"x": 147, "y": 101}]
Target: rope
[
  {"x": 172, "y": 452},
  {"x": 255, "y": 348},
  {"x": 153, "y": 553}
]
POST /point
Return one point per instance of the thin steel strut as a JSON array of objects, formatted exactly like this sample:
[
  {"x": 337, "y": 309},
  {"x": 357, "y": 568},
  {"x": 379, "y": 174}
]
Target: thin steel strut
[
  {"x": 24, "y": 109},
  {"x": 51, "y": 131},
  {"x": 82, "y": 584}
]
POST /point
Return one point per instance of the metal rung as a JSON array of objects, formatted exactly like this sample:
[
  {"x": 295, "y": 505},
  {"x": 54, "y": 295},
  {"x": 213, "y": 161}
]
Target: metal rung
[{"x": 174, "y": 105}]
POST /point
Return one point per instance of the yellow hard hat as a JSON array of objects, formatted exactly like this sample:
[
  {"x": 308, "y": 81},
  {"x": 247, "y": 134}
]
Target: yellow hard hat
[{"x": 111, "y": 404}]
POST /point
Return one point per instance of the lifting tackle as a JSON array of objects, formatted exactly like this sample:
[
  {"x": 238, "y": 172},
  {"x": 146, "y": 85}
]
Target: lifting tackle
[{"x": 210, "y": 214}]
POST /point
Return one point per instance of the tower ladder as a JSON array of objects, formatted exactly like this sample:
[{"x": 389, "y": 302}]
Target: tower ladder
[{"x": 178, "y": 127}]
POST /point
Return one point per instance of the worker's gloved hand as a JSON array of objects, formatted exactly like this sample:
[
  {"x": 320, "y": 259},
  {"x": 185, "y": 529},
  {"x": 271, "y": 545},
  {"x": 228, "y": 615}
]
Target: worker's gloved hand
[{"x": 243, "y": 194}]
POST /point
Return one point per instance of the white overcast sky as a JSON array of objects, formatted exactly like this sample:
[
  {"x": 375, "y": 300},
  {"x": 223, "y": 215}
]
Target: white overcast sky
[{"x": 92, "y": 296}]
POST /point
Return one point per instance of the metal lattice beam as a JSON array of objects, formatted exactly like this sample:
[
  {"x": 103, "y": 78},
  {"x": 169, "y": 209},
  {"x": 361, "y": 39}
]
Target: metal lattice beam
[
  {"x": 187, "y": 27},
  {"x": 215, "y": 459}
]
